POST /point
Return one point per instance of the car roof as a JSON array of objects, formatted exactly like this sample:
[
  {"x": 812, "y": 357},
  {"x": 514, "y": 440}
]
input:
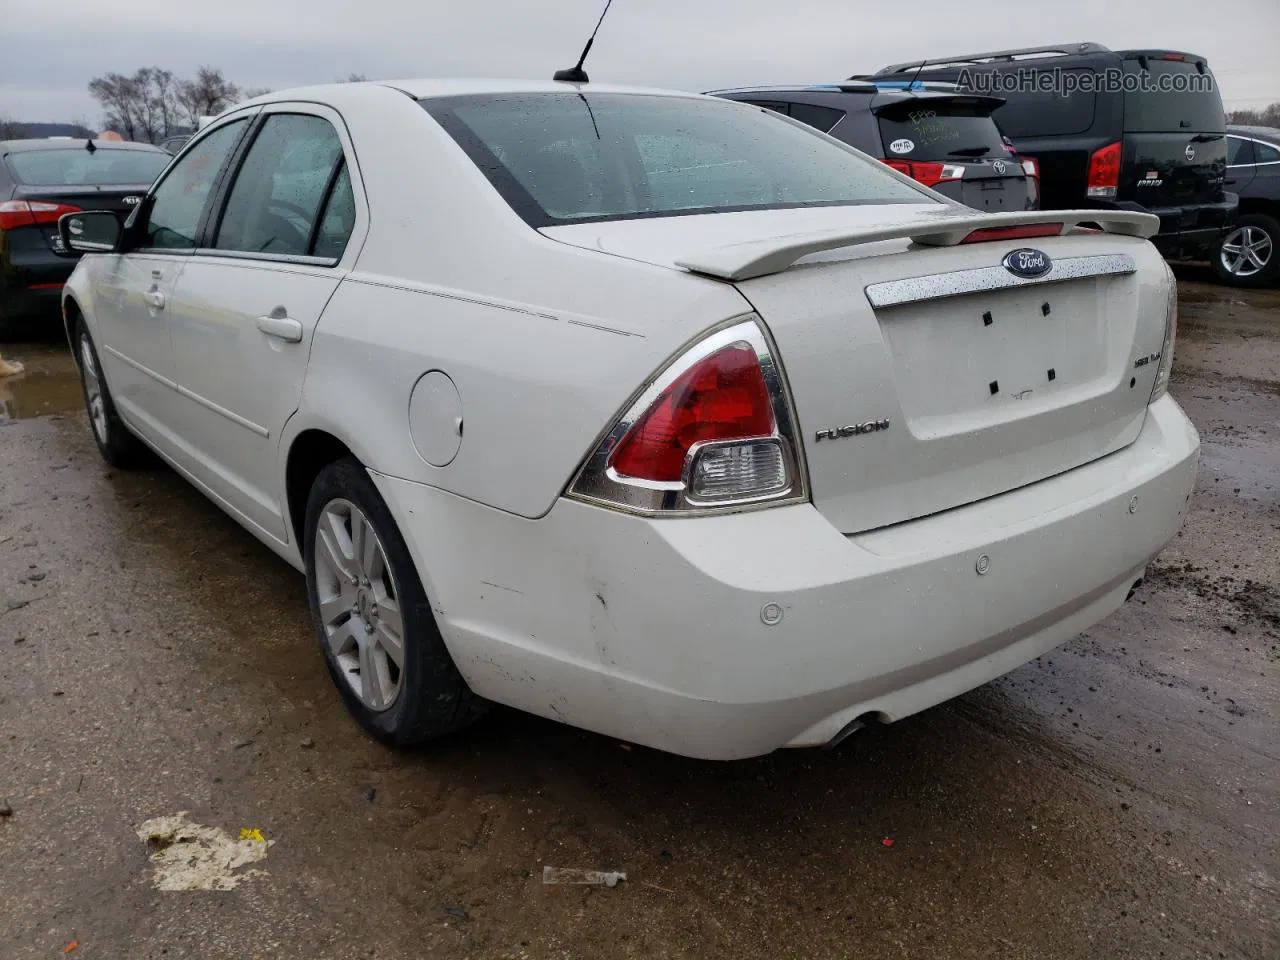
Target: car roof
[
  {"x": 76, "y": 143},
  {"x": 425, "y": 88},
  {"x": 1263, "y": 133}
]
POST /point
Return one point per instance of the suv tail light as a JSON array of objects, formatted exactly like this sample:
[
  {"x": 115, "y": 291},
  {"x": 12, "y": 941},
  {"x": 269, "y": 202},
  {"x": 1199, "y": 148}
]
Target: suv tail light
[
  {"x": 28, "y": 213},
  {"x": 713, "y": 430},
  {"x": 928, "y": 173},
  {"x": 1104, "y": 172},
  {"x": 1030, "y": 167}
]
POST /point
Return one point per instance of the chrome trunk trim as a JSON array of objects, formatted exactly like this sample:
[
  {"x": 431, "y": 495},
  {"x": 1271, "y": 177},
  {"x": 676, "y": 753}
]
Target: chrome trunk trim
[{"x": 938, "y": 286}]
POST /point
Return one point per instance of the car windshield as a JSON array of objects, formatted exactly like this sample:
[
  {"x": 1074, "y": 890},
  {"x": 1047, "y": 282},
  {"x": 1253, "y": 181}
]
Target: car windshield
[
  {"x": 570, "y": 158},
  {"x": 940, "y": 130},
  {"x": 81, "y": 167}
]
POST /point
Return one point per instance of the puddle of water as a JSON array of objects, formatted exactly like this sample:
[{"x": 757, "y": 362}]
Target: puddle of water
[{"x": 48, "y": 384}]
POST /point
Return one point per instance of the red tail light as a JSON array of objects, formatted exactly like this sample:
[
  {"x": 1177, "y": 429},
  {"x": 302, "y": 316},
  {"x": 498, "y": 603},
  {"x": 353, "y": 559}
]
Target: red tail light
[
  {"x": 1030, "y": 167},
  {"x": 1104, "y": 172},
  {"x": 722, "y": 397},
  {"x": 1021, "y": 232},
  {"x": 928, "y": 173},
  {"x": 28, "y": 213}
]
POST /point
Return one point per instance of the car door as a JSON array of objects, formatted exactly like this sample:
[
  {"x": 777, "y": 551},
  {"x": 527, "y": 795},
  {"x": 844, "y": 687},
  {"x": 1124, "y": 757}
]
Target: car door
[
  {"x": 132, "y": 294},
  {"x": 1266, "y": 171},
  {"x": 1240, "y": 169},
  {"x": 248, "y": 301}
]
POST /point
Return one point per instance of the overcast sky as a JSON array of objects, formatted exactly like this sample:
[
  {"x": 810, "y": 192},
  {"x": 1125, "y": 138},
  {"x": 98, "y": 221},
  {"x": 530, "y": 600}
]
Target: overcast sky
[{"x": 52, "y": 49}]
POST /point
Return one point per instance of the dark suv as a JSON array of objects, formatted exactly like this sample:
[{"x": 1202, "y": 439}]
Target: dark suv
[
  {"x": 1128, "y": 130},
  {"x": 934, "y": 133}
]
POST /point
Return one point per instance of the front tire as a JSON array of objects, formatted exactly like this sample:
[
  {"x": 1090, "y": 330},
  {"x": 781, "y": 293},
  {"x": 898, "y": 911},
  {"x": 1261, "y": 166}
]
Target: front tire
[
  {"x": 118, "y": 446},
  {"x": 373, "y": 620},
  {"x": 1248, "y": 253}
]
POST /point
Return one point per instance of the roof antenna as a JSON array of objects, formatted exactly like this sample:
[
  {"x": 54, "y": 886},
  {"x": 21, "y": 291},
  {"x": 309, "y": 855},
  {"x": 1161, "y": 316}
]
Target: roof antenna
[
  {"x": 576, "y": 74},
  {"x": 90, "y": 145},
  {"x": 919, "y": 70}
]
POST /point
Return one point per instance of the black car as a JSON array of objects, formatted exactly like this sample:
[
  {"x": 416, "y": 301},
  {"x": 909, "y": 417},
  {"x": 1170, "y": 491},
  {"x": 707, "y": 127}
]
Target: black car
[
  {"x": 1248, "y": 253},
  {"x": 40, "y": 180},
  {"x": 1122, "y": 130},
  {"x": 936, "y": 134}
]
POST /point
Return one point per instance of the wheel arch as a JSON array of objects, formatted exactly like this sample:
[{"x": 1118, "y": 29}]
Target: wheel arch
[
  {"x": 1265, "y": 205},
  {"x": 310, "y": 451}
]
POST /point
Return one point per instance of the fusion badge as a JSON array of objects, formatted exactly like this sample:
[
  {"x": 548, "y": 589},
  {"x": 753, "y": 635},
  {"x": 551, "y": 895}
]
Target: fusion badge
[{"x": 852, "y": 430}]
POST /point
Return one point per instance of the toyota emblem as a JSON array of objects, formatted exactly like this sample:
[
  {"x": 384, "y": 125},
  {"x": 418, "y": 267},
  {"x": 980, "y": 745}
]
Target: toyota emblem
[{"x": 999, "y": 167}]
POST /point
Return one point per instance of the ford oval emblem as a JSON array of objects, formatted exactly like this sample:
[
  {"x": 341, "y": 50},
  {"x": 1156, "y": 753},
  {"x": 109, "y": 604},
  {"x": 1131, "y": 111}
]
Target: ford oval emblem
[{"x": 1027, "y": 263}]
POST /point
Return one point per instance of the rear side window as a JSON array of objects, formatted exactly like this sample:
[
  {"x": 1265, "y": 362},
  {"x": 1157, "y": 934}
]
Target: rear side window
[
  {"x": 938, "y": 130},
  {"x": 1170, "y": 96},
  {"x": 104, "y": 167},
  {"x": 1239, "y": 152},
  {"x": 282, "y": 185},
  {"x": 569, "y": 158},
  {"x": 1266, "y": 153},
  {"x": 823, "y": 118},
  {"x": 1036, "y": 106}
]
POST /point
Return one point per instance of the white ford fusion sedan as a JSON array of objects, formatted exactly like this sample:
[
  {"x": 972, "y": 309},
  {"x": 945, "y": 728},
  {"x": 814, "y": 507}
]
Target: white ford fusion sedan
[{"x": 658, "y": 414}]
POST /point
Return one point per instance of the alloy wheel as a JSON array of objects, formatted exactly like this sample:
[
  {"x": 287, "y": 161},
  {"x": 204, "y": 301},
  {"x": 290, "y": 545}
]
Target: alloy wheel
[
  {"x": 93, "y": 389},
  {"x": 359, "y": 604},
  {"x": 1246, "y": 251}
]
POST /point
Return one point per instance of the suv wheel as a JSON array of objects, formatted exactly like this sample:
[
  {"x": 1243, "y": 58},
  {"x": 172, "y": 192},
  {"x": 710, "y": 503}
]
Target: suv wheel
[
  {"x": 374, "y": 623},
  {"x": 1248, "y": 253},
  {"x": 118, "y": 446}
]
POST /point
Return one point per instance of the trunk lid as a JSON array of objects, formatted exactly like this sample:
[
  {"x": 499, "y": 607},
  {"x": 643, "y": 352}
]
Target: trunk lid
[
  {"x": 120, "y": 199},
  {"x": 928, "y": 377},
  {"x": 910, "y": 406}
]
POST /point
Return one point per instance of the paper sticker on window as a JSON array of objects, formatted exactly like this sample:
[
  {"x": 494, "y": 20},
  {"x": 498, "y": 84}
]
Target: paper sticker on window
[{"x": 902, "y": 146}]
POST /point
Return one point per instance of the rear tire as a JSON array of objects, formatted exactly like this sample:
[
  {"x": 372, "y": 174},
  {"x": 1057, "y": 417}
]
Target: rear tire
[
  {"x": 1247, "y": 254},
  {"x": 370, "y": 611},
  {"x": 117, "y": 444}
]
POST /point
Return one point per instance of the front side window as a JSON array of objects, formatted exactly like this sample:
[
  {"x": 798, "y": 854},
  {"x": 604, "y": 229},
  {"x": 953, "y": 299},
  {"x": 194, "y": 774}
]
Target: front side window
[
  {"x": 561, "y": 158},
  {"x": 105, "y": 166},
  {"x": 287, "y": 175},
  {"x": 179, "y": 201}
]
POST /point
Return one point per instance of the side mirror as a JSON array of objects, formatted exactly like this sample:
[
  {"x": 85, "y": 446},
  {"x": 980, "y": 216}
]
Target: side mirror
[{"x": 95, "y": 231}]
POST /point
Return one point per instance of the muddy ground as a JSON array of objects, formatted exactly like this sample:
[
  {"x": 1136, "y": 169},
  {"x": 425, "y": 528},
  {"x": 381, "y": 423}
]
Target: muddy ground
[{"x": 1117, "y": 798}]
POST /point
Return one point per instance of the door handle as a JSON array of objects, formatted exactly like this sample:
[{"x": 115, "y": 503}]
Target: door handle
[
  {"x": 281, "y": 326},
  {"x": 154, "y": 299}
]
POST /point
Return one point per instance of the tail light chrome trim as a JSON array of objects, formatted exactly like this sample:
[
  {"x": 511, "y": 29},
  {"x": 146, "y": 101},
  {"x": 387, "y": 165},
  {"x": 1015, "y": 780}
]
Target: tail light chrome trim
[
  {"x": 938, "y": 286},
  {"x": 597, "y": 482}
]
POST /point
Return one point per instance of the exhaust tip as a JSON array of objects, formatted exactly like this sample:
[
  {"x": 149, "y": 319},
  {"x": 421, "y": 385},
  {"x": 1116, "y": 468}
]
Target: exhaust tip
[
  {"x": 1133, "y": 589},
  {"x": 850, "y": 728}
]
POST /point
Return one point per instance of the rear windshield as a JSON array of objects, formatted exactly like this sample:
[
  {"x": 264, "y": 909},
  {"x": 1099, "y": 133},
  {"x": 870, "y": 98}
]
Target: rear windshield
[
  {"x": 562, "y": 158},
  {"x": 1171, "y": 96},
  {"x": 938, "y": 130},
  {"x": 80, "y": 167},
  {"x": 1041, "y": 103}
]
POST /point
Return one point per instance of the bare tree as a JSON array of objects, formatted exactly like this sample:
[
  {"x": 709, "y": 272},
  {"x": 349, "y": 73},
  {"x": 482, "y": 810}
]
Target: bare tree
[
  {"x": 354, "y": 78},
  {"x": 207, "y": 95},
  {"x": 121, "y": 99},
  {"x": 1266, "y": 117},
  {"x": 10, "y": 129}
]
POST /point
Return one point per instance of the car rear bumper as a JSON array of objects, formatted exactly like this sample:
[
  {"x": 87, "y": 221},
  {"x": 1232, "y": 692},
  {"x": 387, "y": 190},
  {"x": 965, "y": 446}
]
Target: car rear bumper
[
  {"x": 667, "y": 632},
  {"x": 31, "y": 276},
  {"x": 1187, "y": 231}
]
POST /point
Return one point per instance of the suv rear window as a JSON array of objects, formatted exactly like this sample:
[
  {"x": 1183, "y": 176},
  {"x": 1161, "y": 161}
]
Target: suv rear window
[
  {"x": 939, "y": 130},
  {"x": 79, "y": 167},
  {"x": 1173, "y": 97},
  {"x": 560, "y": 158},
  {"x": 1036, "y": 106}
]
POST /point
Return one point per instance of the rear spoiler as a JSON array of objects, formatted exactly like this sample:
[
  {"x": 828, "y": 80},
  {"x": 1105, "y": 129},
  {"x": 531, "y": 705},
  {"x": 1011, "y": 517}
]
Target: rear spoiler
[{"x": 759, "y": 258}]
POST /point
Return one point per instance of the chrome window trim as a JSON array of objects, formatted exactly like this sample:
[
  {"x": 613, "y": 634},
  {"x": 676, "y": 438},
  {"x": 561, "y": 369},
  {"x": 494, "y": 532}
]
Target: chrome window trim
[
  {"x": 958, "y": 283},
  {"x": 1257, "y": 142},
  {"x": 294, "y": 258}
]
